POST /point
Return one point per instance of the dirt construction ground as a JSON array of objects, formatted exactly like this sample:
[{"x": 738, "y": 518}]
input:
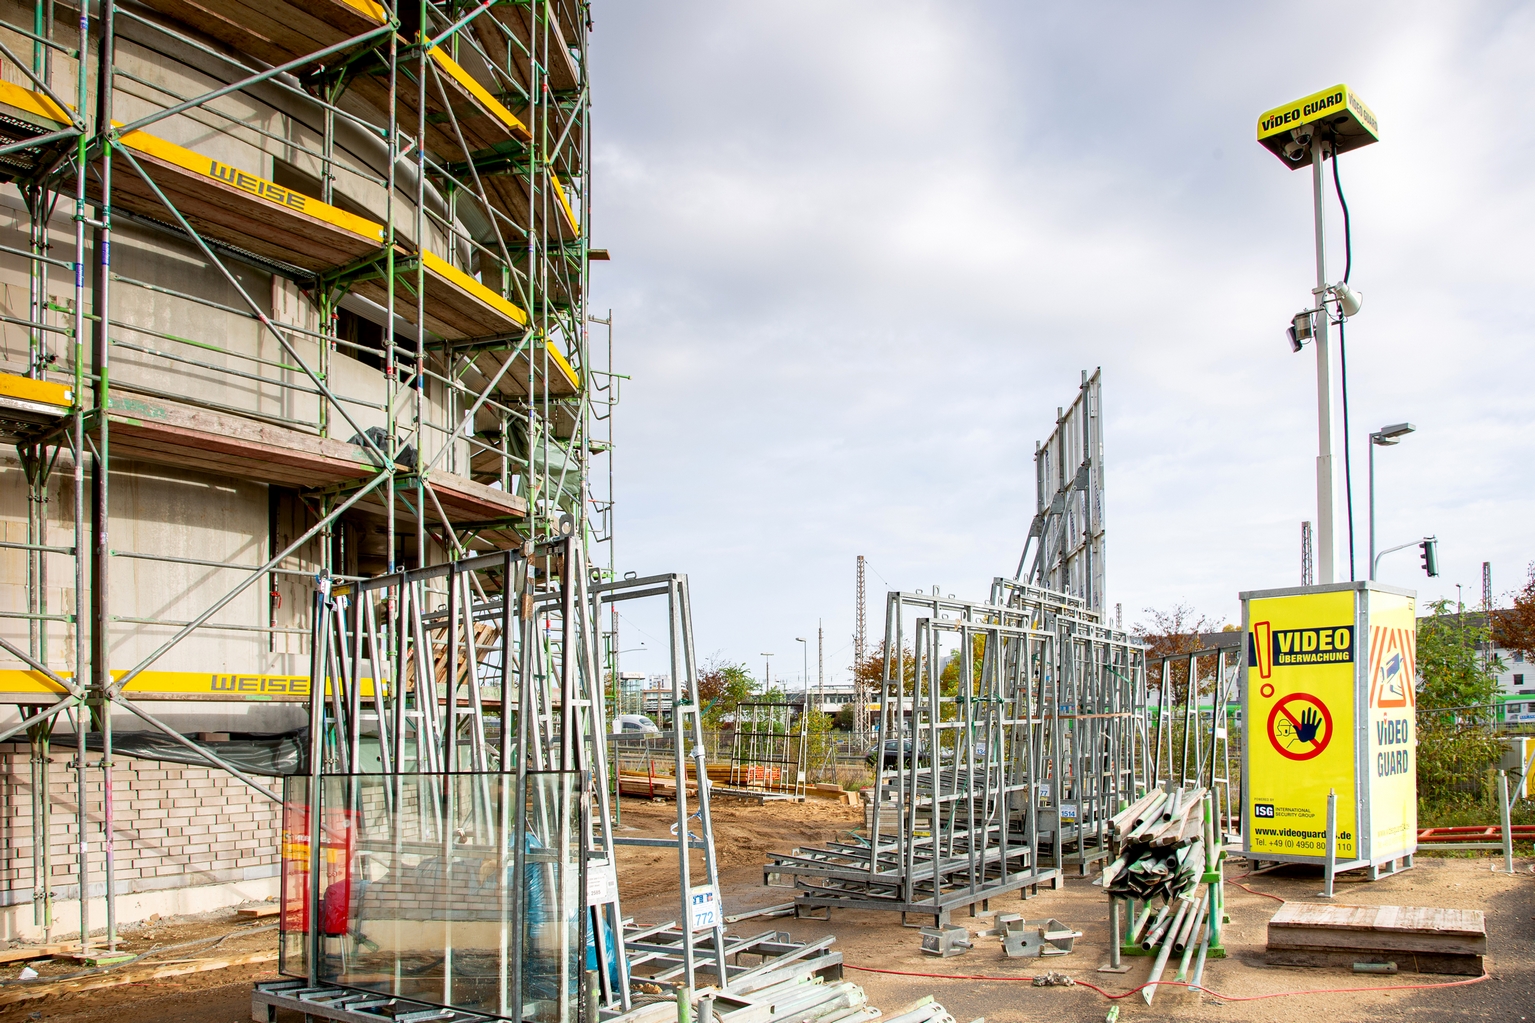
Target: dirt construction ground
[{"x": 745, "y": 832}]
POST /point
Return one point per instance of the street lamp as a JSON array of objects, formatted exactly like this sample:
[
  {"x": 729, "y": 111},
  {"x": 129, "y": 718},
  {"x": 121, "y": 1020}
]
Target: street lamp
[
  {"x": 1382, "y": 438},
  {"x": 804, "y": 646}
]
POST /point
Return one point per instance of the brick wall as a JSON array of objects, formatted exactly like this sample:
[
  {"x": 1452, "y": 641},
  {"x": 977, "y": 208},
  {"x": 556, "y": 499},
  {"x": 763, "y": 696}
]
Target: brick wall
[{"x": 174, "y": 826}]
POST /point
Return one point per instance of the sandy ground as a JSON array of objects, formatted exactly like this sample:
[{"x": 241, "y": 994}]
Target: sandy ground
[
  {"x": 877, "y": 940},
  {"x": 220, "y": 995},
  {"x": 744, "y": 832}
]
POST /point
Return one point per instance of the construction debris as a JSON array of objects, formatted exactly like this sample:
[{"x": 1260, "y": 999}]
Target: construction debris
[
  {"x": 40, "y": 988},
  {"x": 1167, "y": 847}
]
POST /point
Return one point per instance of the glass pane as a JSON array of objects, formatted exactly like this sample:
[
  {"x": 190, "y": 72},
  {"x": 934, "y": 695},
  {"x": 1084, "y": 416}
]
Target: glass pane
[{"x": 431, "y": 883}]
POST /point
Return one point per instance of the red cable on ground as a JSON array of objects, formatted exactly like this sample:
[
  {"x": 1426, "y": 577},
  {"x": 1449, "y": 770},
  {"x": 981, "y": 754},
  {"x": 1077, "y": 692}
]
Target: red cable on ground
[{"x": 1252, "y": 891}]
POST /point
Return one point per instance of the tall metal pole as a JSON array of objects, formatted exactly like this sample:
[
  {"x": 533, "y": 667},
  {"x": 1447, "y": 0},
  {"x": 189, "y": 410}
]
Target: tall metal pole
[
  {"x": 860, "y": 690},
  {"x": 1326, "y": 475},
  {"x": 1372, "y": 507},
  {"x": 101, "y": 668}
]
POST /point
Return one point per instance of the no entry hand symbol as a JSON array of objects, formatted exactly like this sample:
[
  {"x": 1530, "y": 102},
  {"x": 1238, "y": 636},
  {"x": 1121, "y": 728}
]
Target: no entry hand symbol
[{"x": 1300, "y": 726}]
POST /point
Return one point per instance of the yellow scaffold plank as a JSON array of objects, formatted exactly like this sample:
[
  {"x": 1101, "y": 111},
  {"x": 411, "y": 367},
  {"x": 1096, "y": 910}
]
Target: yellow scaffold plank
[
  {"x": 242, "y": 209},
  {"x": 17, "y": 686},
  {"x": 26, "y": 403},
  {"x": 26, "y": 115}
]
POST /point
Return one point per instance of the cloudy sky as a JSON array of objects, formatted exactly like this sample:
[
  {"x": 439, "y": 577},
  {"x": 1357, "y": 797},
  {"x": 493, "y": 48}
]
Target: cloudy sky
[{"x": 862, "y": 250}]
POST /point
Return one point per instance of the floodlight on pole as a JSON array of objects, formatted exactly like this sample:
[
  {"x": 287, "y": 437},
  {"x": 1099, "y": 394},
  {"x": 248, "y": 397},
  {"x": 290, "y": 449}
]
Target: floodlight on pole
[
  {"x": 1301, "y": 134},
  {"x": 1385, "y": 437}
]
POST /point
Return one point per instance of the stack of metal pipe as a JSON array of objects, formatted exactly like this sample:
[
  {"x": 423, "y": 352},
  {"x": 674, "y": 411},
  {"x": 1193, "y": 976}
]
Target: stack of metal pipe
[
  {"x": 1162, "y": 841},
  {"x": 1160, "y": 838}
]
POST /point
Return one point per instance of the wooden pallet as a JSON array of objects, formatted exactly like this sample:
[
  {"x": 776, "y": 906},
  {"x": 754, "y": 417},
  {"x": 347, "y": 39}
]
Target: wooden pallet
[{"x": 1417, "y": 938}]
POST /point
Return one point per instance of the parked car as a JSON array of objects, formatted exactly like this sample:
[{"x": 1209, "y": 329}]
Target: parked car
[{"x": 896, "y": 749}]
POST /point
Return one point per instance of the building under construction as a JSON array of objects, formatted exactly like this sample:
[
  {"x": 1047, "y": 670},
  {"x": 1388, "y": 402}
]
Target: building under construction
[{"x": 291, "y": 291}]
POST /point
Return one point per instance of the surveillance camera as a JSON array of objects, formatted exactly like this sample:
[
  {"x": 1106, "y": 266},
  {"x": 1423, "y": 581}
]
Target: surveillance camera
[
  {"x": 1295, "y": 342},
  {"x": 1295, "y": 152}
]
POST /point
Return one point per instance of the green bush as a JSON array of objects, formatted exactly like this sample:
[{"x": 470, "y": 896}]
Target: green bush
[{"x": 1457, "y": 685}]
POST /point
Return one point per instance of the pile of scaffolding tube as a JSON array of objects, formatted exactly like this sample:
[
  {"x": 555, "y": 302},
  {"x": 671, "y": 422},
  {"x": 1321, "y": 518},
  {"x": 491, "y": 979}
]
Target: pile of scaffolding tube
[
  {"x": 1164, "y": 840},
  {"x": 1161, "y": 845}
]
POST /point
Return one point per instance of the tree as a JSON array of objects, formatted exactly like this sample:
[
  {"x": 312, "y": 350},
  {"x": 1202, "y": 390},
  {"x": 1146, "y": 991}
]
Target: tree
[
  {"x": 1456, "y": 689},
  {"x": 722, "y": 687},
  {"x": 1453, "y": 676},
  {"x": 1175, "y": 632},
  {"x": 871, "y": 671},
  {"x": 1514, "y": 628}
]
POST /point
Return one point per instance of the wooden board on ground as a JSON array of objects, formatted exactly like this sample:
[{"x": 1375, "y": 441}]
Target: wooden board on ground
[
  {"x": 256, "y": 912},
  {"x": 1436, "y": 940},
  {"x": 20, "y": 955},
  {"x": 42, "y": 988}
]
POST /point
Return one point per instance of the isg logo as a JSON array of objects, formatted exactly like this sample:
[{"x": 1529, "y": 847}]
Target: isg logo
[{"x": 1263, "y": 810}]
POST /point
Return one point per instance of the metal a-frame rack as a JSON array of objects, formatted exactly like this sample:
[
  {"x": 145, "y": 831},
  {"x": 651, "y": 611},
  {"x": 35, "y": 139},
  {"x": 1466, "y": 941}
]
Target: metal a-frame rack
[
  {"x": 769, "y": 750},
  {"x": 426, "y": 163},
  {"x": 1189, "y": 744},
  {"x": 480, "y": 684},
  {"x": 1013, "y": 726},
  {"x": 449, "y": 697}
]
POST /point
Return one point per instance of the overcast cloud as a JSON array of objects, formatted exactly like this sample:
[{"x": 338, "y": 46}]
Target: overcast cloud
[{"x": 861, "y": 251}]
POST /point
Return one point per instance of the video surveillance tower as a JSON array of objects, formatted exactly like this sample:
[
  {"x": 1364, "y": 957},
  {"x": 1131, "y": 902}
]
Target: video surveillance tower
[{"x": 1304, "y": 134}]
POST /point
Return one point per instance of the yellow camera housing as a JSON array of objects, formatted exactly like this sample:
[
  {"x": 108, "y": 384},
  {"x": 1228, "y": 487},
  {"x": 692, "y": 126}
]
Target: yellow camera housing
[{"x": 1337, "y": 113}]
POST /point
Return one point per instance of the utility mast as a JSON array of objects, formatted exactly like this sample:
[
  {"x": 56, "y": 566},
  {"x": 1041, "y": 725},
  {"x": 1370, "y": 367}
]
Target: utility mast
[
  {"x": 1307, "y": 566},
  {"x": 860, "y": 689}
]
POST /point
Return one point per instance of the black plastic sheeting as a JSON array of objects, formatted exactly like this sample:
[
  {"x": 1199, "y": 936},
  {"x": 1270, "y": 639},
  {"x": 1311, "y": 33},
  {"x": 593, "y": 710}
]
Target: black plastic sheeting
[{"x": 268, "y": 755}]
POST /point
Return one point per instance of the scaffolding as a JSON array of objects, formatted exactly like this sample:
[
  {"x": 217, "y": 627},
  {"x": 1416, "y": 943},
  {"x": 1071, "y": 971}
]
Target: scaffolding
[{"x": 325, "y": 264}]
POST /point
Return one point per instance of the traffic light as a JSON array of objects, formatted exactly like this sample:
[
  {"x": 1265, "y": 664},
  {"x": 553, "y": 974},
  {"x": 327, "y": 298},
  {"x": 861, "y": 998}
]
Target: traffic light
[{"x": 1430, "y": 554}]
